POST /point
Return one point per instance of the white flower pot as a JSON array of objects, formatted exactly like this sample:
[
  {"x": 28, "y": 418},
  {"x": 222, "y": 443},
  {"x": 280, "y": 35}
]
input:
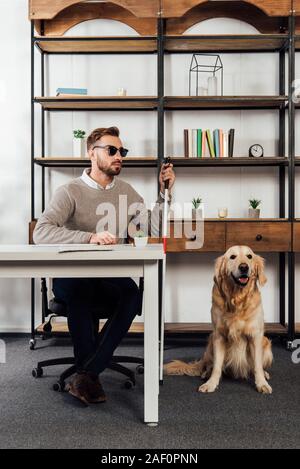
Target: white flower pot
[
  {"x": 254, "y": 212},
  {"x": 140, "y": 242},
  {"x": 198, "y": 213},
  {"x": 79, "y": 147}
]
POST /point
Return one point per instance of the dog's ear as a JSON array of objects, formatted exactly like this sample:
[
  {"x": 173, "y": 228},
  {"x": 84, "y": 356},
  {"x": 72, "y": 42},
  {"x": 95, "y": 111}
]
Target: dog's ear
[
  {"x": 220, "y": 267},
  {"x": 260, "y": 270}
]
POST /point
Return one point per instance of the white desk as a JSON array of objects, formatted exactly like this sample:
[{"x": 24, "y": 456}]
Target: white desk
[{"x": 23, "y": 261}]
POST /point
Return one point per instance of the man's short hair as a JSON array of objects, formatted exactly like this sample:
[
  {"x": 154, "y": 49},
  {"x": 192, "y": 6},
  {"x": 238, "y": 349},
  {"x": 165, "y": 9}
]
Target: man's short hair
[{"x": 100, "y": 132}]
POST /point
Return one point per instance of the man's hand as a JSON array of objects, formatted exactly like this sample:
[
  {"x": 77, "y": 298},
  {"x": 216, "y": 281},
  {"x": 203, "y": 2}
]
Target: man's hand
[
  {"x": 105, "y": 237},
  {"x": 166, "y": 174}
]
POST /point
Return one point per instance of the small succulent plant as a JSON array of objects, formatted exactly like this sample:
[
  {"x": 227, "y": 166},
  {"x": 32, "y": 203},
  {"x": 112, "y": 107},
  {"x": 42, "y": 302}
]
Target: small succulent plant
[
  {"x": 254, "y": 203},
  {"x": 140, "y": 234},
  {"x": 196, "y": 202},
  {"x": 78, "y": 133}
]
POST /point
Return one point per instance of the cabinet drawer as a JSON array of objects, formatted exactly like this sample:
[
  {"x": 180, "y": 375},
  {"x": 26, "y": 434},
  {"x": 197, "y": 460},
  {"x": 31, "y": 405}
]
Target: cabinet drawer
[
  {"x": 260, "y": 236},
  {"x": 296, "y": 237},
  {"x": 214, "y": 238}
]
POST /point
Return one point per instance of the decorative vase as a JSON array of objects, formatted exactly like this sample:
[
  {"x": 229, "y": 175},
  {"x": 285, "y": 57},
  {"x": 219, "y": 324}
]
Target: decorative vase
[
  {"x": 140, "y": 241},
  {"x": 254, "y": 212},
  {"x": 79, "y": 147},
  {"x": 212, "y": 86}
]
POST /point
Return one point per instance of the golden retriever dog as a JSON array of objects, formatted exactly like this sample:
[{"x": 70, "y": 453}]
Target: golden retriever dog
[{"x": 237, "y": 344}]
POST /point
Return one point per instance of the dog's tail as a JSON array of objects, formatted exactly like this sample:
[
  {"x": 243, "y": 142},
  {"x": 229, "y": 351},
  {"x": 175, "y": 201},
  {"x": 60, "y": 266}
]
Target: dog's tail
[{"x": 178, "y": 367}]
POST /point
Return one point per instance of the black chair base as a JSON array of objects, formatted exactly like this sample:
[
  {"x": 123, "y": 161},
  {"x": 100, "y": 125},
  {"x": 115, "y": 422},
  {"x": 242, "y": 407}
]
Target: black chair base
[{"x": 114, "y": 365}]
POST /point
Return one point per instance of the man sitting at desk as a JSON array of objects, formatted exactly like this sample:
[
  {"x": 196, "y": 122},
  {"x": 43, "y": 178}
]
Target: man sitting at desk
[{"x": 74, "y": 216}]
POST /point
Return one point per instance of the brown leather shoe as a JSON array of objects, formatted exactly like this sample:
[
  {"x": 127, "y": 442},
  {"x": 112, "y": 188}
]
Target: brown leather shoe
[
  {"x": 79, "y": 387},
  {"x": 96, "y": 391}
]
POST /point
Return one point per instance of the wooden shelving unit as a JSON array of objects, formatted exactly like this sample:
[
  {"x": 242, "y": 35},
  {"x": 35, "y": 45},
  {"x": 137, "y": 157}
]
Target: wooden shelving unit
[
  {"x": 160, "y": 25},
  {"x": 224, "y": 102},
  {"x": 84, "y": 103},
  {"x": 97, "y": 45},
  {"x": 228, "y": 162},
  {"x": 70, "y": 162},
  {"x": 226, "y": 43}
]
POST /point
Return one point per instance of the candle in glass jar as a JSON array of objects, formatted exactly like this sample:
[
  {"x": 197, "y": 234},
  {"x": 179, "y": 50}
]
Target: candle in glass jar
[
  {"x": 122, "y": 92},
  {"x": 222, "y": 212}
]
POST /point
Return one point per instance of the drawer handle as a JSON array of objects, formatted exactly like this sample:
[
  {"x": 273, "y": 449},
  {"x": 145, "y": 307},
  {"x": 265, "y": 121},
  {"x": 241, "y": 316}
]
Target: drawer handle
[
  {"x": 258, "y": 237},
  {"x": 193, "y": 238}
]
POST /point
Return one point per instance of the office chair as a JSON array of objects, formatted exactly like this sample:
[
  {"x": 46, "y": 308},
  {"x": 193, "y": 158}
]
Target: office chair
[{"x": 56, "y": 308}]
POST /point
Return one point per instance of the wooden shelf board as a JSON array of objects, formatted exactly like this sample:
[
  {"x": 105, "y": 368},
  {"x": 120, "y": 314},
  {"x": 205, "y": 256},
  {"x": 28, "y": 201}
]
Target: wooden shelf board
[
  {"x": 170, "y": 328},
  {"x": 134, "y": 161},
  {"x": 234, "y": 161},
  {"x": 98, "y": 102},
  {"x": 297, "y": 160},
  {"x": 174, "y": 44},
  {"x": 253, "y": 220},
  {"x": 224, "y": 102},
  {"x": 106, "y": 44},
  {"x": 225, "y": 43},
  {"x": 170, "y": 102},
  {"x": 297, "y": 327}
]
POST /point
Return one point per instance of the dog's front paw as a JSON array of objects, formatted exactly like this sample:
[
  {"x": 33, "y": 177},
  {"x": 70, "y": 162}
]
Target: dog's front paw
[
  {"x": 264, "y": 387},
  {"x": 209, "y": 386}
]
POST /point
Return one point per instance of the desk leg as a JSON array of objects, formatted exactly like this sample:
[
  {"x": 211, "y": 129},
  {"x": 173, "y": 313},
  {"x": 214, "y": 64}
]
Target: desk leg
[{"x": 151, "y": 370}]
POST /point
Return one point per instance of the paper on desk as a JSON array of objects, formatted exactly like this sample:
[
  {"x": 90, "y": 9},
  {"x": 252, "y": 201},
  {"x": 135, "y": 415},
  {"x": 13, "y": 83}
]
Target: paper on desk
[{"x": 84, "y": 248}]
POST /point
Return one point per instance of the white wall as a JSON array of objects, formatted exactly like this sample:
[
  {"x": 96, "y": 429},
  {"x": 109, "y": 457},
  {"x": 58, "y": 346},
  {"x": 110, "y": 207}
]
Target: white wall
[{"x": 189, "y": 276}]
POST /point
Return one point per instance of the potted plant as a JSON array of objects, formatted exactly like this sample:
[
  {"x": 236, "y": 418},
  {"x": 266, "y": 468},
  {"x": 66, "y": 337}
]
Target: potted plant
[
  {"x": 254, "y": 211},
  {"x": 79, "y": 143},
  {"x": 197, "y": 210},
  {"x": 140, "y": 239}
]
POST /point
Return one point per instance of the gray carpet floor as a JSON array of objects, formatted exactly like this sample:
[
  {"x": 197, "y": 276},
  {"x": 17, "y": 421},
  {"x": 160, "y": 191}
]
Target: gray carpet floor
[{"x": 32, "y": 415}]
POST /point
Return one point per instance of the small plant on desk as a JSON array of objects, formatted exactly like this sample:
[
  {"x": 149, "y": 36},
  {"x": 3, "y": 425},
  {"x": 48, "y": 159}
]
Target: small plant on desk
[{"x": 140, "y": 239}]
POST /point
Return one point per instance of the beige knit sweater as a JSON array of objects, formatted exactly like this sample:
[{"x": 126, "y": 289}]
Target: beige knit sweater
[{"x": 77, "y": 210}]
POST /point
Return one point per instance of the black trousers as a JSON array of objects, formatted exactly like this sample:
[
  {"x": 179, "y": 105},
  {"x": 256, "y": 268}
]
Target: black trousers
[{"x": 89, "y": 299}]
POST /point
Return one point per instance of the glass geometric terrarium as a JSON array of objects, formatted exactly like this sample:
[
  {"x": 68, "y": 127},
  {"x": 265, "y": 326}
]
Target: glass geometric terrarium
[{"x": 210, "y": 82}]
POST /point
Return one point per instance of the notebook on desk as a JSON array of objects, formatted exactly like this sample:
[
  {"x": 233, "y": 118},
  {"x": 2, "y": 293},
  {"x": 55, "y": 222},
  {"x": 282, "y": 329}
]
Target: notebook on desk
[{"x": 84, "y": 248}]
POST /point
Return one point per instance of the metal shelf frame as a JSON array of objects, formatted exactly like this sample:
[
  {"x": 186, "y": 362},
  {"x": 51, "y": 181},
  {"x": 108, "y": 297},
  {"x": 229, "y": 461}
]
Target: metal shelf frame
[{"x": 283, "y": 107}]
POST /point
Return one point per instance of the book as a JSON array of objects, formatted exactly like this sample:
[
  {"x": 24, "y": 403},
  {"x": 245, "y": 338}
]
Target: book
[
  {"x": 199, "y": 143},
  {"x": 216, "y": 142},
  {"x": 194, "y": 152},
  {"x": 210, "y": 144},
  {"x": 71, "y": 91},
  {"x": 186, "y": 143},
  {"x": 203, "y": 143},
  {"x": 230, "y": 143},
  {"x": 84, "y": 248},
  {"x": 225, "y": 144},
  {"x": 190, "y": 141},
  {"x": 221, "y": 143}
]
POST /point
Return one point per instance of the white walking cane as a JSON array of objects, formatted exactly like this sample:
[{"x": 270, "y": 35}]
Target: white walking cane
[{"x": 163, "y": 300}]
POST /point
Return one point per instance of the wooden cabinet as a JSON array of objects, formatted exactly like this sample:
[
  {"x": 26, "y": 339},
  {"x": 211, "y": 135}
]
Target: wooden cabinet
[
  {"x": 214, "y": 238},
  {"x": 260, "y": 235},
  {"x": 296, "y": 236}
]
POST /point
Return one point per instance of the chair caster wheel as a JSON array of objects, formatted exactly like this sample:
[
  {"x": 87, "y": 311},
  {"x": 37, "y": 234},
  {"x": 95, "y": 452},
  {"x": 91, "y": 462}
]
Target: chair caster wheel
[
  {"x": 32, "y": 343},
  {"x": 128, "y": 384},
  {"x": 37, "y": 372},
  {"x": 140, "y": 369},
  {"x": 58, "y": 387}
]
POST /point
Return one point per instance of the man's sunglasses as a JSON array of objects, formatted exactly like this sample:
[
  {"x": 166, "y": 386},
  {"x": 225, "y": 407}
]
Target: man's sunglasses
[{"x": 111, "y": 150}]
